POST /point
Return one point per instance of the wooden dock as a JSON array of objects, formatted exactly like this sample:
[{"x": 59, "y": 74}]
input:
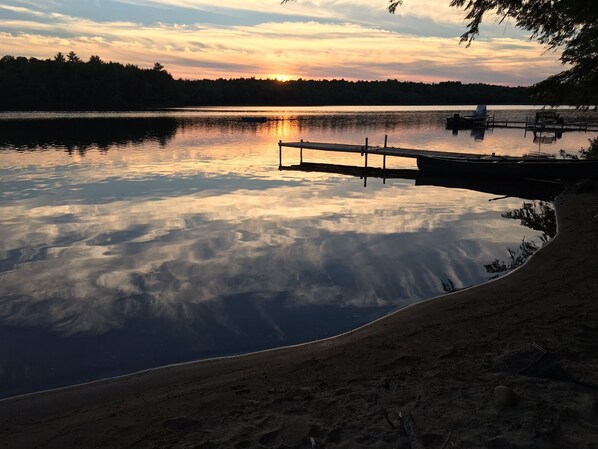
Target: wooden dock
[
  {"x": 384, "y": 150},
  {"x": 366, "y": 149}
]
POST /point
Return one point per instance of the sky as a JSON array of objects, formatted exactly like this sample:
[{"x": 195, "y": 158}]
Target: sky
[{"x": 309, "y": 39}]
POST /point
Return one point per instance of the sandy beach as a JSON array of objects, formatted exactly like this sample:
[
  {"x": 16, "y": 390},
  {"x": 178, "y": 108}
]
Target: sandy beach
[{"x": 534, "y": 331}]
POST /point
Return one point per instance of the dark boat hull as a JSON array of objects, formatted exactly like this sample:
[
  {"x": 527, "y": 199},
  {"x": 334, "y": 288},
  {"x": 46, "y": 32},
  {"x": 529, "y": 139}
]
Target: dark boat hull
[
  {"x": 521, "y": 168},
  {"x": 254, "y": 119},
  {"x": 460, "y": 122}
]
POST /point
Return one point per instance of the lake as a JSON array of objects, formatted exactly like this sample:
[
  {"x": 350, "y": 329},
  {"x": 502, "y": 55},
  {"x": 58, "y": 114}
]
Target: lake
[{"x": 141, "y": 239}]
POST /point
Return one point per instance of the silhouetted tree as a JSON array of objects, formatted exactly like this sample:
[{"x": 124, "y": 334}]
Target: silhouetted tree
[
  {"x": 592, "y": 151},
  {"x": 516, "y": 258},
  {"x": 584, "y": 153},
  {"x": 539, "y": 216},
  {"x": 69, "y": 83},
  {"x": 72, "y": 57},
  {"x": 570, "y": 26}
]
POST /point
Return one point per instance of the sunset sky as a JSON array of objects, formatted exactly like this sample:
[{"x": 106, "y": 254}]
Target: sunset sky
[{"x": 310, "y": 39}]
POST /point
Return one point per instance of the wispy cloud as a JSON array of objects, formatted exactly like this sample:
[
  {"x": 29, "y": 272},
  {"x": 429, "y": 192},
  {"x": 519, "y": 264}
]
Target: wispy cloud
[
  {"x": 307, "y": 49},
  {"x": 21, "y": 10}
]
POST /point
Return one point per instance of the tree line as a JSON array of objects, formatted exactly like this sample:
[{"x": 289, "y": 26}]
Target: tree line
[
  {"x": 250, "y": 91},
  {"x": 65, "y": 82}
]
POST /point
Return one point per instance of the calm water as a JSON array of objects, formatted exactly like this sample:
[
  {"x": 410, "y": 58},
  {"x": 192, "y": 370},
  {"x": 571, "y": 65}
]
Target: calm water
[{"x": 135, "y": 240}]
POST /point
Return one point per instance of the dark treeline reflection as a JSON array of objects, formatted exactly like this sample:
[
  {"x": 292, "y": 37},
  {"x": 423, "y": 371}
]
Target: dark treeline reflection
[
  {"x": 68, "y": 83},
  {"x": 81, "y": 135},
  {"x": 537, "y": 215},
  {"x": 371, "y": 122}
]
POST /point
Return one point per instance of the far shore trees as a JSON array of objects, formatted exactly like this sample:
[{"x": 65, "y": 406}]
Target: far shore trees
[{"x": 69, "y": 83}]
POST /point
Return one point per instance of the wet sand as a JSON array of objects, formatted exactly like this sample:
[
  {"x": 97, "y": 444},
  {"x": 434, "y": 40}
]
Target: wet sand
[{"x": 439, "y": 360}]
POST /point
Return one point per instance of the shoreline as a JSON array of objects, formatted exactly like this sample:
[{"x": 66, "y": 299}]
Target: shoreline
[{"x": 439, "y": 359}]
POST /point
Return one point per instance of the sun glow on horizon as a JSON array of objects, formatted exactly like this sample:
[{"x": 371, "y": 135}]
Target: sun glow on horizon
[{"x": 282, "y": 78}]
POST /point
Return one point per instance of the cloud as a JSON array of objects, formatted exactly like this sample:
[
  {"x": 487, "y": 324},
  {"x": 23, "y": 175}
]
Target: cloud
[
  {"x": 21, "y": 10},
  {"x": 308, "y": 48}
]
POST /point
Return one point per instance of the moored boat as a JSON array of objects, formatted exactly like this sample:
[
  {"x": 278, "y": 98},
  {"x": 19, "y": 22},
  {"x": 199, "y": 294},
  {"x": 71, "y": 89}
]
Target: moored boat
[
  {"x": 510, "y": 167},
  {"x": 477, "y": 119}
]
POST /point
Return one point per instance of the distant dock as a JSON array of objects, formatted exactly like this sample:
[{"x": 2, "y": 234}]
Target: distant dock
[{"x": 543, "y": 127}]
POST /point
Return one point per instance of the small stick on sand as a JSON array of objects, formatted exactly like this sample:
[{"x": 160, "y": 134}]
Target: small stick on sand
[
  {"x": 388, "y": 420},
  {"x": 411, "y": 431},
  {"x": 408, "y": 424},
  {"x": 448, "y": 440}
]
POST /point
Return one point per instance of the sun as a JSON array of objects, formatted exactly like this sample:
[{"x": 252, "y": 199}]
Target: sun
[{"x": 282, "y": 78}]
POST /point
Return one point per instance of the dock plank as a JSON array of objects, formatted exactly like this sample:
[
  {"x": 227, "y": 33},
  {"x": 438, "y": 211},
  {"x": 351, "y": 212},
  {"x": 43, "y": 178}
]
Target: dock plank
[{"x": 384, "y": 151}]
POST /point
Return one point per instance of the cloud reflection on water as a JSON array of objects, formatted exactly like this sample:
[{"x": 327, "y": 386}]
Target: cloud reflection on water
[
  {"x": 151, "y": 253},
  {"x": 190, "y": 248}
]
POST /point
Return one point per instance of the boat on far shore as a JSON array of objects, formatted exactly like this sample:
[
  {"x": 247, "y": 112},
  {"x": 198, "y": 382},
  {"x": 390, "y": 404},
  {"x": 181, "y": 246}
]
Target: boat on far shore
[
  {"x": 254, "y": 119},
  {"x": 510, "y": 167},
  {"x": 477, "y": 119}
]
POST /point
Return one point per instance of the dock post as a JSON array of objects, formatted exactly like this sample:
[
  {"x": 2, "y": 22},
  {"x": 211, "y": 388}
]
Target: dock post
[
  {"x": 301, "y": 153},
  {"x": 364, "y": 148},
  {"x": 384, "y": 157},
  {"x": 279, "y": 154},
  {"x": 366, "y": 153}
]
